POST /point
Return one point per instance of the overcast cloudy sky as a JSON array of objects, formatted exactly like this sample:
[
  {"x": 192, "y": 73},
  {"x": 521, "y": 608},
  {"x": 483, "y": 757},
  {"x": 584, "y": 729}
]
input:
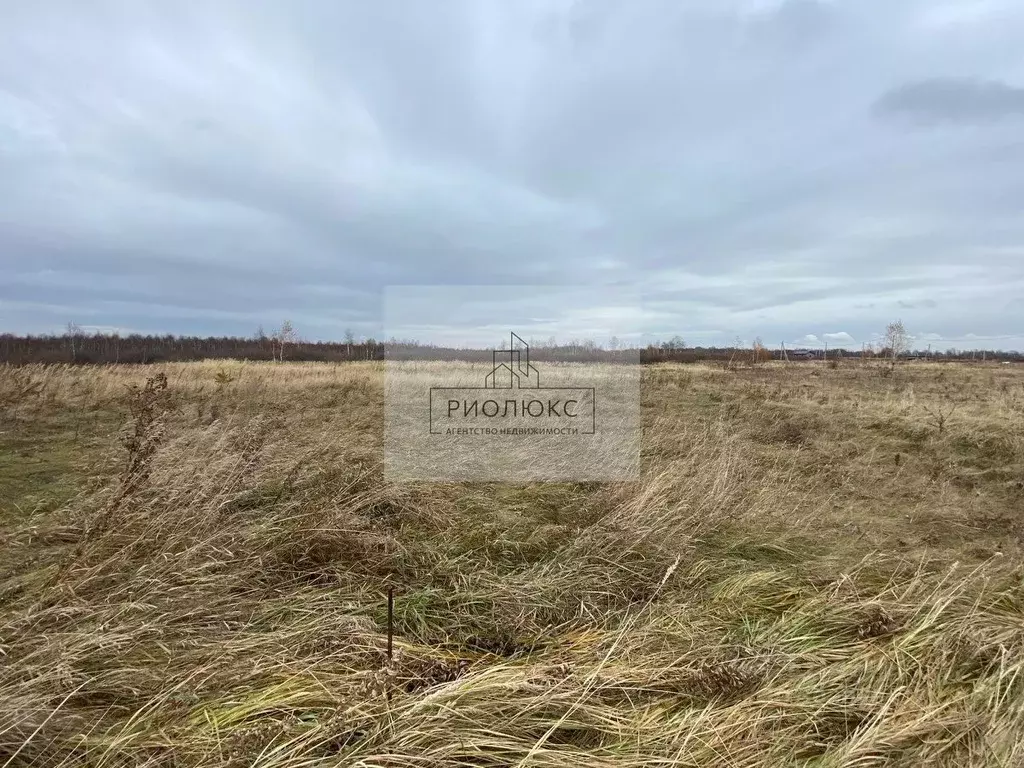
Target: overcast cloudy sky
[{"x": 715, "y": 169}]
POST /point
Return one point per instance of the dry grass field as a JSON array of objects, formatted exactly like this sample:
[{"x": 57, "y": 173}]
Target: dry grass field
[{"x": 819, "y": 567}]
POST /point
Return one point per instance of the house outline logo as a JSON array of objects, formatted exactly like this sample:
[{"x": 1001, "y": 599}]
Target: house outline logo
[
  {"x": 511, "y": 369},
  {"x": 515, "y": 373}
]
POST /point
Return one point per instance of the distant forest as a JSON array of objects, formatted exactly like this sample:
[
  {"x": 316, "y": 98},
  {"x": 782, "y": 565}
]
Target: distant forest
[{"x": 80, "y": 348}]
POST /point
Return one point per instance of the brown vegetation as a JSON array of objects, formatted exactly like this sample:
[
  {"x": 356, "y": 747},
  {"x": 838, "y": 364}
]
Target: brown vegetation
[{"x": 813, "y": 571}]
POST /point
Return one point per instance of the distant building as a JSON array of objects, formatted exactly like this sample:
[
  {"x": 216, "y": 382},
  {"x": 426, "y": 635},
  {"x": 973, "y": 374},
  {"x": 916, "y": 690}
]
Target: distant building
[{"x": 802, "y": 354}]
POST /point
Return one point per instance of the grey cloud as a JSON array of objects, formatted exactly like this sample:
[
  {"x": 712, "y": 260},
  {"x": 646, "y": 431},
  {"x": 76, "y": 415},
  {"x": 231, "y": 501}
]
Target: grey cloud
[
  {"x": 795, "y": 24},
  {"x": 954, "y": 100},
  {"x": 718, "y": 162}
]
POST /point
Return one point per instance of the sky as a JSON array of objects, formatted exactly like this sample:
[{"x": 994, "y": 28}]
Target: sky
[{"x": 804, "y": 171}]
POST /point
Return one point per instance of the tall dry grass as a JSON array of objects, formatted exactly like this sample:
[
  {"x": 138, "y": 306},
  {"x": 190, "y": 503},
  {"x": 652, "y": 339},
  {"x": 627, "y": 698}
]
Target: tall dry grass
[{"x": 211, "y": 591}]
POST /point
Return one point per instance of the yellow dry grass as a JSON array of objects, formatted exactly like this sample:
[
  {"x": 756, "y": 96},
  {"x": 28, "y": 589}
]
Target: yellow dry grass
[{"x": 809, "y": 573}]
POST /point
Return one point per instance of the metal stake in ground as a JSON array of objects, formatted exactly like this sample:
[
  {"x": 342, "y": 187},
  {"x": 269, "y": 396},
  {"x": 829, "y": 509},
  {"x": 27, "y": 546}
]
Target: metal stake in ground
[{"x": 391, "y": 619}]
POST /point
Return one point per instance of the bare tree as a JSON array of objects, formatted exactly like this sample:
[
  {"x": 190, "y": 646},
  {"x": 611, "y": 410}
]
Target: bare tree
[
  {"x": 760, "y": 352},
  {"x": 673, "y": 344},
  {"x": 896, "y": 341},
  {"x": 940, "y": 413},
  {"x": 282, "y": 337},
  {"x": 736, "y": 347},
  {"x": 74, "y": 331},
  {"x": 350, "y": 339}
]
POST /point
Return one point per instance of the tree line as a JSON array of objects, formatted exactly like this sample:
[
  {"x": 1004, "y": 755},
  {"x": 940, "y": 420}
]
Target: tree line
[
  {"x": 96, "y": 348},
  {"x": 78, "y": 347}
]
